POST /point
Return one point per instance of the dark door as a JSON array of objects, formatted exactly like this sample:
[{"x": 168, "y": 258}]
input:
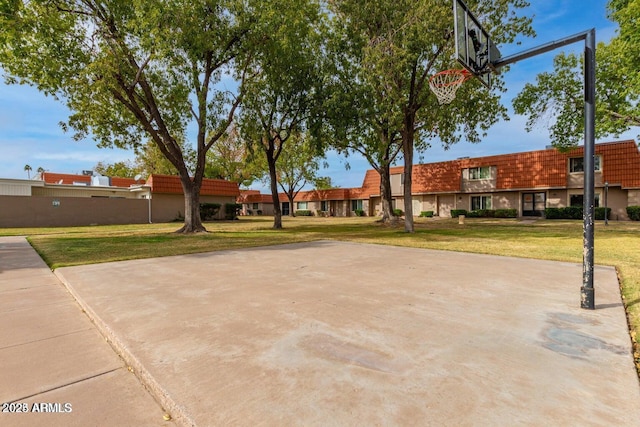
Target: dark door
[
  {"x": 285, "y": 208},
  {"x": 533, "y": 204}
]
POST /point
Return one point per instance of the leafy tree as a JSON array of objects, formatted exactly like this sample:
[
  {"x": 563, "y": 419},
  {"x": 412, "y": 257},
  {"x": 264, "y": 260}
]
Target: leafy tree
[
  {"x": 297, "y": 166},
  {"x": 557, "y": 98},
  {"x": 279, "y": 98},
  {"x": 130, "y": 69},
  {"x": 355, "y": 116},
  {"x": 124, "y": 169},
  {"x": 323, "y": 183},
  {"x": 395, "y": 46},
  {"x": 150, "y": 160},
  {"x": 232, "y": 160},
  {"x": 28, "y": 169}
]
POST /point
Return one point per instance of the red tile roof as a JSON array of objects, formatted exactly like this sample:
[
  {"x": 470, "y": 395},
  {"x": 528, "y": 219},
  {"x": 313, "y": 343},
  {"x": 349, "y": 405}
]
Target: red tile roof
[
  {"x": 621, "y": 164},
  {"x": 330, "y": 194},
  {"x": 117, "y": 181},
  {"x": 69, "y": 179},
  {"x": 170, "y": 184},
  {"x": 528, "y": 170},
  {"x": 533, "y": 169},
  {"x": 254, "y": 196},
  {"x": 64, "y": 178}
]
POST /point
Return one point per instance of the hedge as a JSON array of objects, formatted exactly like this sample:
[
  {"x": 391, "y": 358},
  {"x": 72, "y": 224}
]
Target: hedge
[
  {"x": 481, "y": 213},
  {"x": 574, "y": 212},
  {"x": 506, "y": 213},
  {"x": 634, "y": 213},
  {"x": 426, "y": 214},
  {"x": 398, "y": 212},
  {"x": 304, "y": 212},
  {"x": 599, "y": 212},
  {"x": 359, "y": 212},
  {"x": 208, "y": 211},
  {"x": 455, "y": 213},
  {"x": 231, "y": 210}
]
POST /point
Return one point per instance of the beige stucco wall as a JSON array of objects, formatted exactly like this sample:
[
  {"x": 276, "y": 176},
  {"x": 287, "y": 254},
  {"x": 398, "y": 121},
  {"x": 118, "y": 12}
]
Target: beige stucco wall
[
  {"x": 506, "y": 200},
  {"x": 397, "y": 186},
  {"x": 633, "y": 198},
  {"x": 84, "y": 191},
  {"x": 265, "y": 208},
  {"x": 20, "y": 211},
  {"x": 18, "y": 187},
  {"x": 446, "y": 202},
  {"x": 557, "y": 198},
  {"x": 429, "y": 203},
  {"x": 617, "y": 200}
]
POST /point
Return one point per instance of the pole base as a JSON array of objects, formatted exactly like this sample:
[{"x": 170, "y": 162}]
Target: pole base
[{"x": 587, "y": 298}]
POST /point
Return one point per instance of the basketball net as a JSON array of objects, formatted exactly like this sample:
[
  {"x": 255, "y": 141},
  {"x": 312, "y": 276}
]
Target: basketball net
[{"x": 446, "y": 83}]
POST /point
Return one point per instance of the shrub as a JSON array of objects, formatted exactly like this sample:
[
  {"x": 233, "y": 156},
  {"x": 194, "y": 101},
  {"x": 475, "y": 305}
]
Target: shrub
[
  {"x": 398, "y": 212},
  {"x": 426, "y": 214},
  {"x": 231, "y": 210},
  {"x": 506, "y": 213},
  {"x": 455, "y": 213},
  {"x": 208, "y": 211},
  {"x": 259, "y": 211},
  {"x": 359, "y": 212},
  {"x": 600, "y": 213},
  {"x": 634, "y": 213},
  {"x": 571, "y": 212},
  {"x": 304, "y": 212},
  {"x": 552, "y": 213}
]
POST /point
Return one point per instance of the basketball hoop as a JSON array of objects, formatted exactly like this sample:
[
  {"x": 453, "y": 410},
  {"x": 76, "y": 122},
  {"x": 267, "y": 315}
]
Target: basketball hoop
[{"x": 446, "y": 83}]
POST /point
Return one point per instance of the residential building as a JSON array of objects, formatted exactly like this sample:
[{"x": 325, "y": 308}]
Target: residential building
[
  {"x": 70, "y": 200},
  {"x": 528, "y": 182}
]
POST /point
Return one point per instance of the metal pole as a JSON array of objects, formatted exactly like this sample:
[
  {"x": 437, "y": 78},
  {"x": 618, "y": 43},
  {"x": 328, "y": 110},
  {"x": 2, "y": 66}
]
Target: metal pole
[
  {"x": 587, "y": 291},
  {"x": 606, "y": 204}
]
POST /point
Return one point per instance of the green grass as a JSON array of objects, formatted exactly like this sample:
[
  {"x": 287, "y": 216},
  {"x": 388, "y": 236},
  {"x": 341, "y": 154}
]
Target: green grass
[{"x": 615, "y": 245}]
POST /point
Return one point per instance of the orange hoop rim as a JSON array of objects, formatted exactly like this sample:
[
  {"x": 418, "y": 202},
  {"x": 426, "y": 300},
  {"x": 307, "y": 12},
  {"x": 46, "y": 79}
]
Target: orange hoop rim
[
  {"x": 463, "y": 74},
  {"x": 446, "y": 83}
]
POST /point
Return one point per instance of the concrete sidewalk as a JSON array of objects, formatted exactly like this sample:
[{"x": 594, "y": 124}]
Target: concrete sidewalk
[
  {"x": 342, "y": 334},
  {"x": 53, "y": 357}
]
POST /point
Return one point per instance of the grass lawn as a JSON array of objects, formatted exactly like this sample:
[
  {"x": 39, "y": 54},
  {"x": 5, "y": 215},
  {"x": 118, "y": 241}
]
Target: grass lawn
[{"x": 617, "y": 245}]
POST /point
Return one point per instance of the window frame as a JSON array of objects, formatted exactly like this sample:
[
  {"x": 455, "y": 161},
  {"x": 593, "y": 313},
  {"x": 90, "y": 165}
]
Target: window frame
[
  {"x": 476, "y": 173},
  {"x": 597, "y": 164},
  {"x": 483, "y": 199}
]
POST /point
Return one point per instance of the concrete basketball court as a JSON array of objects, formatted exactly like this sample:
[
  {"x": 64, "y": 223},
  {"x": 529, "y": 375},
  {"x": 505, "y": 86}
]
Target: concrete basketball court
[{"x": 343, "y": 334}]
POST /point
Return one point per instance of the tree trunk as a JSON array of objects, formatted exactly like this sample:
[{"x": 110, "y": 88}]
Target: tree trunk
[
  {"x": 277, "y": 212},
  {"x": 291, "y": 211},
  {"x": 385, "y": 194},
  {"x": 407, "y": 149},
  {"x": 192, "y": 220}
]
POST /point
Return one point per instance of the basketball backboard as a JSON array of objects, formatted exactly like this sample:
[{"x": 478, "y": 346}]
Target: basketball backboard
[{"x": 474, "y": 49}]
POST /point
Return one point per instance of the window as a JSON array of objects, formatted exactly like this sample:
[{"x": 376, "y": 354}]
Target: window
[
  {"x": 255, "y": 206},
  {"x": 578, "y": 200},
  {"x": 324, "y": 206},
  {"x": 302, "y": 206},
  {"x": 356, "y": 205},
  {"x": 483, "y": 172},
  {"x": 576, "y": 164},
  {"x": 480, "y": 202}
]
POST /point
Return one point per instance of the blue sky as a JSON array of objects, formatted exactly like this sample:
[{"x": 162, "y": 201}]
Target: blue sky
[{"x": 30, "y": 134}]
